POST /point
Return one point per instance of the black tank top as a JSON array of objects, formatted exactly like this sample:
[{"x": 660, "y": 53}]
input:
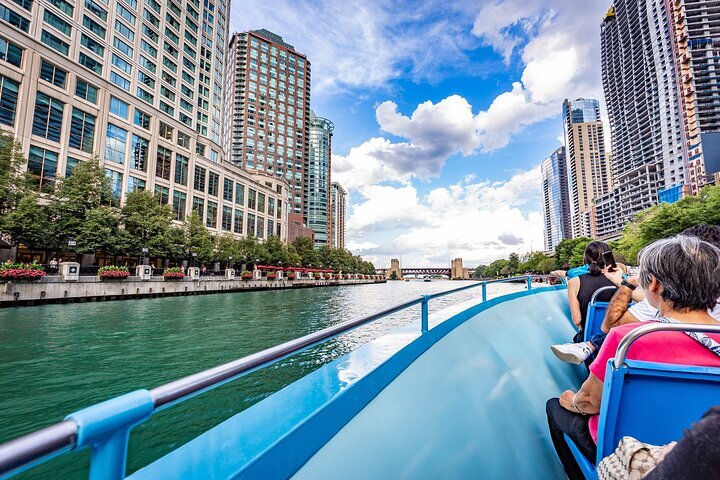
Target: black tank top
[{"x": 589, "y": 284}]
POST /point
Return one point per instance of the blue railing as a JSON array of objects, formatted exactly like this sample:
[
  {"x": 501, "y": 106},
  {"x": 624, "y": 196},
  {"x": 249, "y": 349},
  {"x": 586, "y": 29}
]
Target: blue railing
[{"x": 105, "y": 427}]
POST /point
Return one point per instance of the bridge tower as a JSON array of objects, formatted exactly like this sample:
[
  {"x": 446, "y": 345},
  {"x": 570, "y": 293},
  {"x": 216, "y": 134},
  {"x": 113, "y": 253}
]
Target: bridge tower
[
  {"x": 457, "y": 272},
  {"x": 394, "y": 267}
]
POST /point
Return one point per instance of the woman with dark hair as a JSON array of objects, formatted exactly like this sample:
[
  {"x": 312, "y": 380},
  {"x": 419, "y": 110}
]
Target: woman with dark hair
[{"x": 582, "y": 288}]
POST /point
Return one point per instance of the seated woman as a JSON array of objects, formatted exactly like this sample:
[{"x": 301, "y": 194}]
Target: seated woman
[{"x": 681, "y": 278}]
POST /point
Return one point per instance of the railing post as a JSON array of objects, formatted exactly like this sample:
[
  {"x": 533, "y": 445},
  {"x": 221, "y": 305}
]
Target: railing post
[
  {"x": 529, "y": 282},
  {"x": 424, "y": 313},
  {"x": 484, "y": 291}
]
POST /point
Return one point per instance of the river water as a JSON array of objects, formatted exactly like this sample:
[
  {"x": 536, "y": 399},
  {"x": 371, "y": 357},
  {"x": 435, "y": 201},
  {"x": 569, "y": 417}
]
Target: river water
[{"x": 56, "y": 359}]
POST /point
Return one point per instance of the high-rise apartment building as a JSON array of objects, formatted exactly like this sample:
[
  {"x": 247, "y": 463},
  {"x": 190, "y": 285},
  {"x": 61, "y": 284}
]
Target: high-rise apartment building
[
  {"x": 695, "y": 26},
  {"x": 267, "y": 110},
  {"x": 587, "y": 165},
  {"x": 638, "y": 76},
  {"x": 317, "y": 181},
  {"x": 137, "y": 85},
  {"x": 338, "y": 205},
  {"x": 556, "y": 200}
]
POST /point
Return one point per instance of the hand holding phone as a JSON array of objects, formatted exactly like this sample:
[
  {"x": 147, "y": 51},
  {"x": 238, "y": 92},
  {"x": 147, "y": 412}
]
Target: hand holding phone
[{"x": 609, "y": 260}]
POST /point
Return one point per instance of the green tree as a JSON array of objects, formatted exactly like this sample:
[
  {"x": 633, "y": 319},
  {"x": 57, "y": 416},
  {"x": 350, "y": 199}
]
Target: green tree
[
  {"x": 479, "y": 271},
  {"x": 570, "y": 251},
  {"x": 248, "y": 250},
  {"x": 12, "y": 181},
  {"x": 28, "y": 223},
  {"x": 197, "y": 239},
  {"x": 100, "y": 232},
  {"x": 273, "y": 251},
  {"x": 513, "y": 262},
  {"x": 306, "y": 251},
  {"x": 547, "y": 265},
  {"x": 393, "y": 276},
  {"x": 147, "y": 223}
]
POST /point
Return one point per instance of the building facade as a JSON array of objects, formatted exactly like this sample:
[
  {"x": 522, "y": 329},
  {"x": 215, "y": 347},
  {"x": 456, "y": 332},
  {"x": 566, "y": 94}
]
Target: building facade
[
  {"x": 695, "y": 27},
  {"x": 138, "y": 87},
  {"x": 587, "y": 165},
  {"x": 317, "y": 183},
  {"x": 556, "y": 200},
  {"x": 338, "y": 206},
  {"x": 638, "y": 75},
  {"x": 266, "y": 112}
]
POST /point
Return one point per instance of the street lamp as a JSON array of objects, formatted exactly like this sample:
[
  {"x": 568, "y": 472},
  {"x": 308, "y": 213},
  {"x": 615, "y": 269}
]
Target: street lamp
[
  {"x": 72, "y": 243},
  {"x": 230, "y": 261},
  {"x": 144, "y": 252}
]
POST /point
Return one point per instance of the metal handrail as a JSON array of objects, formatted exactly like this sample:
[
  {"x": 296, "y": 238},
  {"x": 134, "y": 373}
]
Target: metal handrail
[
  {"x": 622, "y": 350},
  {"x": 62, "y": 436},
  {"x": 600, "y": 290}
]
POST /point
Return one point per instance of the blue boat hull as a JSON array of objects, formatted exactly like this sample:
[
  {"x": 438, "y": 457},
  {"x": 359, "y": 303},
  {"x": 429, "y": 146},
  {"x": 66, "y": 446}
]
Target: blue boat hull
[{"x": 466, "y": 399}]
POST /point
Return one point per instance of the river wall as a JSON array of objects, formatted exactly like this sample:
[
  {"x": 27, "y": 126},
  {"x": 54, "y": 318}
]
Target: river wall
[{"x": 92, "y": 289}]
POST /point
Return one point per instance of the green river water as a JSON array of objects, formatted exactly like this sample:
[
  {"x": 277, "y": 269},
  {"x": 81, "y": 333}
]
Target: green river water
[{"x": 56, "y": 359}]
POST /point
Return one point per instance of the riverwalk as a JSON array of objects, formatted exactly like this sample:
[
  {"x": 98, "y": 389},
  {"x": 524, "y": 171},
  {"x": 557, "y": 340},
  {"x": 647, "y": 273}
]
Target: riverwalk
[{"x": 55, "y": 289}]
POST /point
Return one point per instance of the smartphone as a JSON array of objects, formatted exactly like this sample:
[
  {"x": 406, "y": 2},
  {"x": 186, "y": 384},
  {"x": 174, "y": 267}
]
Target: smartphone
[{"x": 609, "y": 260}]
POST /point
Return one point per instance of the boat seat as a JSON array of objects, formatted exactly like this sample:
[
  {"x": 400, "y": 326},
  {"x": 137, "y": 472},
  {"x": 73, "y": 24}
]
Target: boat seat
[
  {"x": 652, "y": 402},
  {"x": 596, "y": 313}
]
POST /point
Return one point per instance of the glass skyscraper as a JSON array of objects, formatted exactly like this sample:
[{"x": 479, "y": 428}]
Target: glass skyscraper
[
  {"x": 317, "y": 182},
  {"x": 556, "y": 205}
]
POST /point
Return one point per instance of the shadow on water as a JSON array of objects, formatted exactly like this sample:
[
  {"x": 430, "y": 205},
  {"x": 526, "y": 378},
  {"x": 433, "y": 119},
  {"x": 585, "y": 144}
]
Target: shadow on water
[{"x": 55, "y": 359}]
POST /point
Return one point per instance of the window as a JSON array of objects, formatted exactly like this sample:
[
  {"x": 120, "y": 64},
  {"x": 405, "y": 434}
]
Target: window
[
  {"x": 152, "y": 51},
  {"x": 238, "y": 222},
  {"x": 228, "y": 189},
  {"x": 279, "y": 213},
  {"x": 145, "y": 96},
  {"x": 121, "y": 64},
  {"x": 211, "y": 219},
  {"x": 198, "y": 207},
  {"x": 90, "y": 63},
  {"x": 146, "y": 79},
  {"x": 119, "y": 80},
  {"x": 151, "y": 34},
  {"x": 125, "y": 13},
  {"x": 47, "y": 122},
  {"x": 270, "y": 228},
  {"x": 227, "y": 218},
  {"x": 51, "y": 73},
  {"x": 213, "y": 156},
  {"x": 260, "y": 231},
  {"x": 213, "y": 183},
  {"x": 116, "y": 180},
  {"x": 135, "y": 184},
  {"x": 142, "y": 119},
  {"x": 199, "y": 180},
  {"x": 8, "y": 100},
  {"x": 92, "y": 45},
  {"x": 172, "y": 36},
  {"x": 124, "y": 30},
  {"x": 51, "y": 41},
  {"x": 170, "y": 64},
  {"x": 271, "y": 207},
  {"x": 181, "y": 169},
  {"x": 123, "y": 47},
  {"x": 82, "y": 131},
  {"x": 42, "y": 166},
  {"x": 251, "y": 225},
  {"x": 167, "y": 108},
  {"x": 261, "y": 202},
  {"x": 96, "y": 9},
  {"x": 185, "y": 119},
  {"x": 119, "y": 108},
  {"x": 168, "y": 78},
  {"x": 166, "y": 131},
  {"x": 179, "y": 200},
  {"x": 57, "y": 22},
  {"x": 64, "y": 6},
  {"x": 115, "y": 144},
  {"x": 163, "y": 163},
  {"x": 14, "y": 19},
  {"x": 200, "y": 149},
  {"x": 70, "y": 165},
  {"x": 162, "y": 194},
  {"x": 94, "y": 27},
  {"x": 139, "y": 153},
  {"x": 251, "y": 198},
  {"x": 167, "y": 93},
  {"x": 183, "y": 139},
  {"x": 151, "y": 18},
  {"x": 11, "y": 53}
]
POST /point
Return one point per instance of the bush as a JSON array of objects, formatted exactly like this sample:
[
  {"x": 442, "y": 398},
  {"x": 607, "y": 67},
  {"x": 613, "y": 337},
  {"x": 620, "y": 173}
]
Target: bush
[
  {"x": 21, "y": 271},
  {"x": 173, "y": 273},
  {"x": 113, "y": 272},
  {"x": 271, "y": 275},
  {"x": 246, "y": 275}
]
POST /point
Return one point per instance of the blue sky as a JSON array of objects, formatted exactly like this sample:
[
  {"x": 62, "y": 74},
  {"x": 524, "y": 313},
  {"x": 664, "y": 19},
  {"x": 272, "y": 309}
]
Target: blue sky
[{"x": 442, "y": 113}]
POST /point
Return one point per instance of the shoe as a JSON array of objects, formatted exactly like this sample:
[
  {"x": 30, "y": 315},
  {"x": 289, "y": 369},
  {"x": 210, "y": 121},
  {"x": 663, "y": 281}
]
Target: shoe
[{"x": 572, "y": 352}]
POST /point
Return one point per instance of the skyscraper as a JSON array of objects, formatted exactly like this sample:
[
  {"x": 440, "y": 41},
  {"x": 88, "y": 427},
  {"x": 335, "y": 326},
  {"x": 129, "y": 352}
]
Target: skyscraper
[
  {"x": 139, "y": 86},
  {"x": 317, "y": 182},
  {"x": 588, "y": 168},
  {"x": 696, "y": 46},
  {"x": 337, "y": 214},
  {"x": 556, "y": 202},
  {"x": 267, "y": 110},
  {"x": 638, "y": 76}
]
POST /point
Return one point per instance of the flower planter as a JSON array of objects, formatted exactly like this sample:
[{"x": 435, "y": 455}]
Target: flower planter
[
  {"x": 318, "y": 276},
  {"x": 291, "y": 276},
  {"x": 247, "y": 276},
  {"x": 328, "y": 276},
  {"x": 271, "y": 276},
  {"x": 337, "y": 277},
  {"x": 113, "y": 273},
  {"x": 21, "y": 273},
  {"x": 173, "y": 273}
]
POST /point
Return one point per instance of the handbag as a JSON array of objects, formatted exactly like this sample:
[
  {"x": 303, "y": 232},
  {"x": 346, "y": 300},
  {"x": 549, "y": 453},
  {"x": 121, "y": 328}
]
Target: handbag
[{"x": 632, "y": 460}]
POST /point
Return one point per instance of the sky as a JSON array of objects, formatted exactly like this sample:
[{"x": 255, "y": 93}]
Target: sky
[{"x": 443, "y": 112}]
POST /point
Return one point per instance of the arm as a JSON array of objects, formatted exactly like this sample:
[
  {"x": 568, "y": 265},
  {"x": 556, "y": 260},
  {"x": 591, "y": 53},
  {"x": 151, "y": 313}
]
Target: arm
[
  {"x": 573, "y": 286},
  {"x": 617, "y": 312},
  {"x": 586, "y": 400},
  {"x": 616, "y": 278}
]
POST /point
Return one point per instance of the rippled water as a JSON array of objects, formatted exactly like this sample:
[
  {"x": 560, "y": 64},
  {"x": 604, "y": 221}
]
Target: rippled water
[{"x": 56, "y": 359}]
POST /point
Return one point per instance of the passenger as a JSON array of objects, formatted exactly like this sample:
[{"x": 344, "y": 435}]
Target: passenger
[
  {"x": 620, "y": 312},
  {"x": 681, "y": 278}
]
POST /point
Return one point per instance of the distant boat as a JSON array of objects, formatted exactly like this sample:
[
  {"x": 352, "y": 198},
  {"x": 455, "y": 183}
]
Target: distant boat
[{"x": 427, "y": 278}]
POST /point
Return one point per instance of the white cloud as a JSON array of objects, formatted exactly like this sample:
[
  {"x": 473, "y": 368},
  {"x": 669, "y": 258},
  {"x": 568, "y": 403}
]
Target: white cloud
[{"x": 478, "y": 222}]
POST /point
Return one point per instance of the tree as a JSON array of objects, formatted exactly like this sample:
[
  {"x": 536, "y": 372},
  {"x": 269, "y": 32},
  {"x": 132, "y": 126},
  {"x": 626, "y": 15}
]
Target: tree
[
  {"x": 197, "y": 239},
  {"x": 513, "y": 262},
  {"x": 547, "y": 265},
  {"x": 12, "y": 181},
  {"x": 393, "y": 276},
  {"x": 306, "y": 251},
  {"x": 570, "y": 252},
  {"x": 273, "y": 251},
  {"x": 100, "y": 232},
  {"x": 147, "y": 223},
  {"x": 28, "y": 223},
  {"x": 479, "y": 271}
]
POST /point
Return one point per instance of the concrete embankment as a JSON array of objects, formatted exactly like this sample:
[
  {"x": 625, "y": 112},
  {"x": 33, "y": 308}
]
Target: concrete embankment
[{"x": 91, "y": 289}]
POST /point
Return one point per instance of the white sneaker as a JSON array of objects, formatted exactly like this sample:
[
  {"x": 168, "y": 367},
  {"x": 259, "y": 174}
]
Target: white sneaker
[{"x": 572, "y": 352}]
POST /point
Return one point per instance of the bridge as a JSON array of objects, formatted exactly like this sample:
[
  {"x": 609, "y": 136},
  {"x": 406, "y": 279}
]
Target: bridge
[{"x": 454, "y": 271}]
